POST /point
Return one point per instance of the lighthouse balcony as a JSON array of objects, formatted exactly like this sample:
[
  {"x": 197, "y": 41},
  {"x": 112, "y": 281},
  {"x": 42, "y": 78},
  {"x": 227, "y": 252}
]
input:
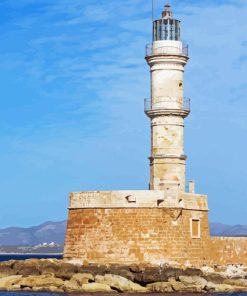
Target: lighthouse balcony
[
  {"x": 169, "y": 49},
  {"x": 168, "y": 106}
]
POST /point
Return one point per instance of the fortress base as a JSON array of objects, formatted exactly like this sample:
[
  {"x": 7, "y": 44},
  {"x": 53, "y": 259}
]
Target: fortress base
[{"x": 125, "y": 227}]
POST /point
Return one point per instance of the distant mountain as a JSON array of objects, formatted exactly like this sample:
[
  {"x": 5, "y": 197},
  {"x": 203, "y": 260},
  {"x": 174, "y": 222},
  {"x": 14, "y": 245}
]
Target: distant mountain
[
  {"x": 219, "y": 229},
  {"x": 55, "y": 232},
  {"x": 45, "y": 233}
]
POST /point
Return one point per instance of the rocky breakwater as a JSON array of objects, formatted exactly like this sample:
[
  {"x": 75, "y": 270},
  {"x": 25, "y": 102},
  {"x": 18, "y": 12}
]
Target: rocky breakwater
[{"x": 59, "y": 276}]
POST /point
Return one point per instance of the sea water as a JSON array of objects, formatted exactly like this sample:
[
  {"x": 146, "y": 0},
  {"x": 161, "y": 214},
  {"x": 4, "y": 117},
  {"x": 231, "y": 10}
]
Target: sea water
[{"x": 7, "y": 257}]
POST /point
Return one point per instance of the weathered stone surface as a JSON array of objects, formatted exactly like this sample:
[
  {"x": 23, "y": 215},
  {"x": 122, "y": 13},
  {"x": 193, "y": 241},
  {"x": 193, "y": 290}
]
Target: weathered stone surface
[
  {"x": 180, "y": 287},
  {"x": 70, "y": 286},
  {"x": 214, "y": 278},
  {"x": 55, "y": 289},
  {"x": 160, "y": 287},
  {"x": 6, "y": 268},
  {"x": 40, "y": 281},
  {"x": 82, "y": 278},
  {"x": 27, "y": 267},
  {"x": 96, "y": 287},
  {"x": 210, "y": 287},
  {"x": 236, "y": 282},
  {"x": 193, "y": 281},
  {"x": 224, "y": 288},
  {"x": 7, "y": 282},
  {"x": 59, "y": 268},
  {"x": 120, "y": 283}
]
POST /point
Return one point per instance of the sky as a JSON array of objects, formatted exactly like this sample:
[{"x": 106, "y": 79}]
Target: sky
[{"x": 73, "y": 79}]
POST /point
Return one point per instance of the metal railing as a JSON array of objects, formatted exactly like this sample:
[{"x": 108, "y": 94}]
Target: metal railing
[
  {"x": 166, "y": 50},
  {"x": 170, "y": 103}
]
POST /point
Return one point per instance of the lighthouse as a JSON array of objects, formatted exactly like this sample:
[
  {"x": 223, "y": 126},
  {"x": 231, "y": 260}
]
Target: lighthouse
[
  {"x": 164, "y": 224},
  {"x": 167, "y": 108}
]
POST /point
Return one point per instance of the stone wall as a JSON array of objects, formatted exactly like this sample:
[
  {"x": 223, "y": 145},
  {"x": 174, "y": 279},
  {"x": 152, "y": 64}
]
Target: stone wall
[
  {"x": 228, "y": 250},
  {"x": 136, "y": 235},
  {"x": 146, "y": 226}
]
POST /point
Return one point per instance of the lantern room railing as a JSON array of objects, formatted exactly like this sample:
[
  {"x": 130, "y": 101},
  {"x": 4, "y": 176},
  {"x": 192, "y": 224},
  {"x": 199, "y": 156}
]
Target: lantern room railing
[
  {"x": 167, "y": 104},
  {"x": 166, "y": 50}
]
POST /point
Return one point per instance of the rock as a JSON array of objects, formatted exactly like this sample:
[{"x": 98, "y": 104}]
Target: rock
[
  {"x": 58, "y": 267},
  {"x": 69, "y": 286},
  {"x": 223, "y": 288},
  {"x": 95, "y": 287},
  {"x": 157, "y": 274},
  {"x": 214, "y": 278},
  {"x": 160, "y": 287},
  {"x": 37, "y": 289},
  {"x": 28, "y": 289},
  {"x": 27, "y": 267},
  {"x": 236, "y": 282},
  {"x": 54, "y": 289},
  {"x": 15, "y": 287},
  {"x": 122, "y": 271},
  {"x": 210, "y": 287},
  {"x": 82, "y": 278},
  {"x": 180, "y": 287},
  {"x": 193, "y": 281},
  {"x": 207, "y": 270},
  {"x": 6, "y": 268},
  {"x": 7, "y": 282},
  {"x": 137, "y": 268},
  {"x": 192, "y": 272},
  {"x": 235, "y": 271},
  {"x": 93, "y": 269},
  {"x": 229, "y": 288},
  {"x": 120, "y": 283},
  {"x": 40, "y": 281}
]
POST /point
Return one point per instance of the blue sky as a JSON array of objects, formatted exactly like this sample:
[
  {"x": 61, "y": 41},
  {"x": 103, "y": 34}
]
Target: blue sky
[{"x": 73, "y": 79}]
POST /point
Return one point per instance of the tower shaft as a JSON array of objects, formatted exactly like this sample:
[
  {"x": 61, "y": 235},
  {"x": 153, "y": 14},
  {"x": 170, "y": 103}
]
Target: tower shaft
[{"x": 167, "y": 107}]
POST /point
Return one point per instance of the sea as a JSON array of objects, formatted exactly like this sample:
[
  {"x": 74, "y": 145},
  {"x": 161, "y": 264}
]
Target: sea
[
  {"x": 59, "y": 256},
  {"x": 6, "y": 257}
]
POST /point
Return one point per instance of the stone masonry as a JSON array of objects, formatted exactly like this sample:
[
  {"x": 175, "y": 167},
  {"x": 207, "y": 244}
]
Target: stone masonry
[{"x": 164, "y": 224}]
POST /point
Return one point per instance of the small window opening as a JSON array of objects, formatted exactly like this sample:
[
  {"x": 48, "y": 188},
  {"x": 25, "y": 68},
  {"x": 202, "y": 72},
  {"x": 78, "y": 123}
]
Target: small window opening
[{"x": 195, "y": 228}]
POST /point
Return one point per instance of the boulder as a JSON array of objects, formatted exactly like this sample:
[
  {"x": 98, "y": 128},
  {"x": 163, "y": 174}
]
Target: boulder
[
  {"x": 27, "y": 267},
  {"x": 156, "y": 274},
  {"x": 120, "y": 283},
  {"x": 7, "y": 282},
  {"x": 236, "y": 282},
  {"x": 193, "y": 281},
  {"x": 224, "y": 288},
  {"x": 210, "y": 287},
  {"x": 55, "y": 289},
  {"x": 82, "y": 278},
  {"x": 58, "y": 267},
  {"x": 40, "y": 281},
  {"x": 235, "y": 271},
  {"x": 214, "y": 278},
  {"x": 160, "y": 287},
  {"x": 180, "y": 287},
  {"x": 69, "y": 286},
  {"x": 6, "y": 268},
  {"x": 95, "y": 287}
]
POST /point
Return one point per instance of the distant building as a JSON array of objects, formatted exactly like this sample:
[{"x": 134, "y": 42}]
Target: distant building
[{"x": 165, "y": 223}]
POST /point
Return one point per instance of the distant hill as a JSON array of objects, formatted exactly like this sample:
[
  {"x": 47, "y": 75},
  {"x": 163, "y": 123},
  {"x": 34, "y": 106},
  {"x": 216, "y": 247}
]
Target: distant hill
[
  {"x": 219, "y": 229},
  {"x": 55, "y": 232},
  {"x": 45, "y": 233}
]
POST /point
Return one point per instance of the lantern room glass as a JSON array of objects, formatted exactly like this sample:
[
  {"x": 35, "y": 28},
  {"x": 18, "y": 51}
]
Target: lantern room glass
[{"x": 166, "y": 29}]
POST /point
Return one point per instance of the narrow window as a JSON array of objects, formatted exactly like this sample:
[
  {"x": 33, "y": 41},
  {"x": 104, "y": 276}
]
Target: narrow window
[{"x": 195, "y": 228}]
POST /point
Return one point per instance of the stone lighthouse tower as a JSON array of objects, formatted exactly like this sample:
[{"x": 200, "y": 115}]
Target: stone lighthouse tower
[{"x": 167, "y": 57}]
